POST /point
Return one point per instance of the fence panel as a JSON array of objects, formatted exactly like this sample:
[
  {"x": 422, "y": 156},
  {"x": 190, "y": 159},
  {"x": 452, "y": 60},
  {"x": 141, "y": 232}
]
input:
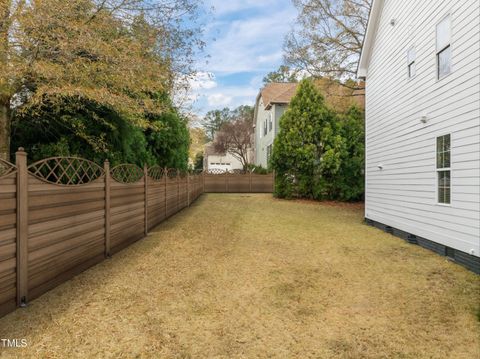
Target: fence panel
[
  {"x": 61, "y": 215},
  {"x": 262, "y": 183},
  {"x": 66, "y": 221},
  {"x": 8, "y": 250},
  {"x": 239, "y": 182},
  {"x": 183, "y": 193},
  {"x": 127, "y": 206},
  {"x": 172, "y": 192},
  {"x": 195, "y": 186},
  {"x": 217, "y": 181},
  {"x": 156, "y": 196}
]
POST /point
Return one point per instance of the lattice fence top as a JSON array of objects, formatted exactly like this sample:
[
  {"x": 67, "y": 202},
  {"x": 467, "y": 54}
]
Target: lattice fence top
[
  {"x": 127, "y": 173},
  {"x": 6, "y": 168},
  {"x": 182, "y": 174},
  {"x": 66, "y": 170},
  {"x": 215, "y": 171},
  {"x": 156, "y": 173}
]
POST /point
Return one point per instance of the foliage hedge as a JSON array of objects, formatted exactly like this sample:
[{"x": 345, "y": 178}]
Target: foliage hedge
[{"x": 83, "y": 128}]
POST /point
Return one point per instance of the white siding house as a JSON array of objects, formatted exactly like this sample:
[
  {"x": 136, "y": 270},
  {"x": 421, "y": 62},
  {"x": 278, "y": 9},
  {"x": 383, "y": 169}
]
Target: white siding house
[
  {"x": 225, "y": 162},
  {"x": 421, "y": 63}
]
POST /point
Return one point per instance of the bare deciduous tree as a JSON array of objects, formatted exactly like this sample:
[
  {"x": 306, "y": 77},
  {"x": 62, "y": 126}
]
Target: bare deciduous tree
[
  {"x": 327, "y": 37},
  {"x": 235, "y": 137}
]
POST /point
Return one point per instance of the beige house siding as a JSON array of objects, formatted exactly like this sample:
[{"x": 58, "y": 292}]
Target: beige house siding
[{"x": 271, "y": 103}]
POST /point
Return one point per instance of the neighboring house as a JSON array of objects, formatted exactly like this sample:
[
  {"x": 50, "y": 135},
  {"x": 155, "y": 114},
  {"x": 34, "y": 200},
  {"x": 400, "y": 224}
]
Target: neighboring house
[
  {"x": 218, "y": 161},
  {"x": 271, "y": 103},
  {"x": 421, "y": 63}
]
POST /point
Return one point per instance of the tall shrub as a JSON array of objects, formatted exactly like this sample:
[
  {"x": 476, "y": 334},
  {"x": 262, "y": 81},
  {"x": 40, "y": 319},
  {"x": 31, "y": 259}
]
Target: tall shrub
[
  {"x": 350, "y": 180},
  {"x": 306, "y": 138},
  {"x": 318, "y": 153}
]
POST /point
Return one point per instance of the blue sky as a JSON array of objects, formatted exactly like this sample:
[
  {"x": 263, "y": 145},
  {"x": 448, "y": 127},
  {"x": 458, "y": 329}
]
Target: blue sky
[{"x": 248, "y": 44}]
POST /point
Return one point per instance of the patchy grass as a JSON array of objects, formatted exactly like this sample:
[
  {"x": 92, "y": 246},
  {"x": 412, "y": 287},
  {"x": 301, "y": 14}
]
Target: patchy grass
[{"x": 243, "y": 276}]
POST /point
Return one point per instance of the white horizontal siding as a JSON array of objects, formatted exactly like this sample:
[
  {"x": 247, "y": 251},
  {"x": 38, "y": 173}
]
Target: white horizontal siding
[{"x": 403, "y": 193}]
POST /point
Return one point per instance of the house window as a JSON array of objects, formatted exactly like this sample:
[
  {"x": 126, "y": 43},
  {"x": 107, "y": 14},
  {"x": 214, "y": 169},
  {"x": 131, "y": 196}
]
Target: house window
[
  {"x": 411, "y": 62},
  {"x": 443, "y": 49},
  {"x": 265, "y": 127},
  {"x": 443, "y": 169},
  {"x": 270, "y": 122}
]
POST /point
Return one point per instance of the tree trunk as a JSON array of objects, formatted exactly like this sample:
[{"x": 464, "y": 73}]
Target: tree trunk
[{"x": 5, "y": 130}]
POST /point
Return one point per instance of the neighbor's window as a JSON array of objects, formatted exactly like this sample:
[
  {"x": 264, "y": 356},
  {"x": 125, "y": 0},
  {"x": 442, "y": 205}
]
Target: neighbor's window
[
  {"x": 411, "y": 62},
  {"x": 443, "y": 169},
  {"x": 444, "y": 51},
  {"x": 270, "y": 122},
  {"x": 265, "y": 127}
]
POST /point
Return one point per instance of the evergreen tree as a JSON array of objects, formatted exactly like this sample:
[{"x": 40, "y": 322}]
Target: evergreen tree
[
  {"x": 350, "y": 181},
  {"x": 304, "y": 143},
  {"x": 318, "y": 154}
]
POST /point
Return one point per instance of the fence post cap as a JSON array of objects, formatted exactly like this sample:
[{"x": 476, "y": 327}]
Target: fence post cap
[{"x": 21, "y": 150}]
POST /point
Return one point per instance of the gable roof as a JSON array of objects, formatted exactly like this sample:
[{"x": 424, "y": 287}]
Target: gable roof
[
  {"x": 277, "y": 93},
  {"x": 375, "y": 12}
]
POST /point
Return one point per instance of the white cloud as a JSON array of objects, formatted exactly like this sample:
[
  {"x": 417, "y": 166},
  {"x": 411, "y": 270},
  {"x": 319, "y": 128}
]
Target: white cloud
[
  {"x": 219, "y": 99},
  {"x": 270, "y": 58},
  {"x": 250, "y": 44},
  {"x": 203, "y": 80},
  {"x": 249, "y": 38}
]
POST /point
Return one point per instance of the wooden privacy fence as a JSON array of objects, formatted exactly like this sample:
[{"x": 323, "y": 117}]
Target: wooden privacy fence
[
  {"x": 237, "y": 182},
  {"x": 61, "y": 215}
]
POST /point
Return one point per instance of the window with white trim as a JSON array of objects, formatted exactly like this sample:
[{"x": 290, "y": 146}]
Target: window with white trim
[
  {"x": 270, "y": 122},
  {"x": 265, "y": 127},
  {"x": 411, "y": 55},
  {"x": 443, "y": 48},
  {"x": 443, "y": 169}
]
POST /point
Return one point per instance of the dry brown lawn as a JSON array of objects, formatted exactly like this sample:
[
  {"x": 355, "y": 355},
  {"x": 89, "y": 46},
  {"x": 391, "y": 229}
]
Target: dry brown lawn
[{"x": 246, "y": 276}]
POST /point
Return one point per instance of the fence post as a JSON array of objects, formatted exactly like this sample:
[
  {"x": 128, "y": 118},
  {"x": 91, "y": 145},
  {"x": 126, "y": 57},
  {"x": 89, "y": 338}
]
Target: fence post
[
  {"x": 106, "y": 168},
  {"x": 203, "y": 181},
  {"x": 178, "y": 192},
  {"x": 250, "y": 181},
  {"x": 165, "y": 175},
  {"x": 226, "y": 181},
  {"x": 22, "y": 227},
  {"x": 145, "y": 182},
  {"x": 188, "y": 189},
  {"x": 273, "y": 181}
]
